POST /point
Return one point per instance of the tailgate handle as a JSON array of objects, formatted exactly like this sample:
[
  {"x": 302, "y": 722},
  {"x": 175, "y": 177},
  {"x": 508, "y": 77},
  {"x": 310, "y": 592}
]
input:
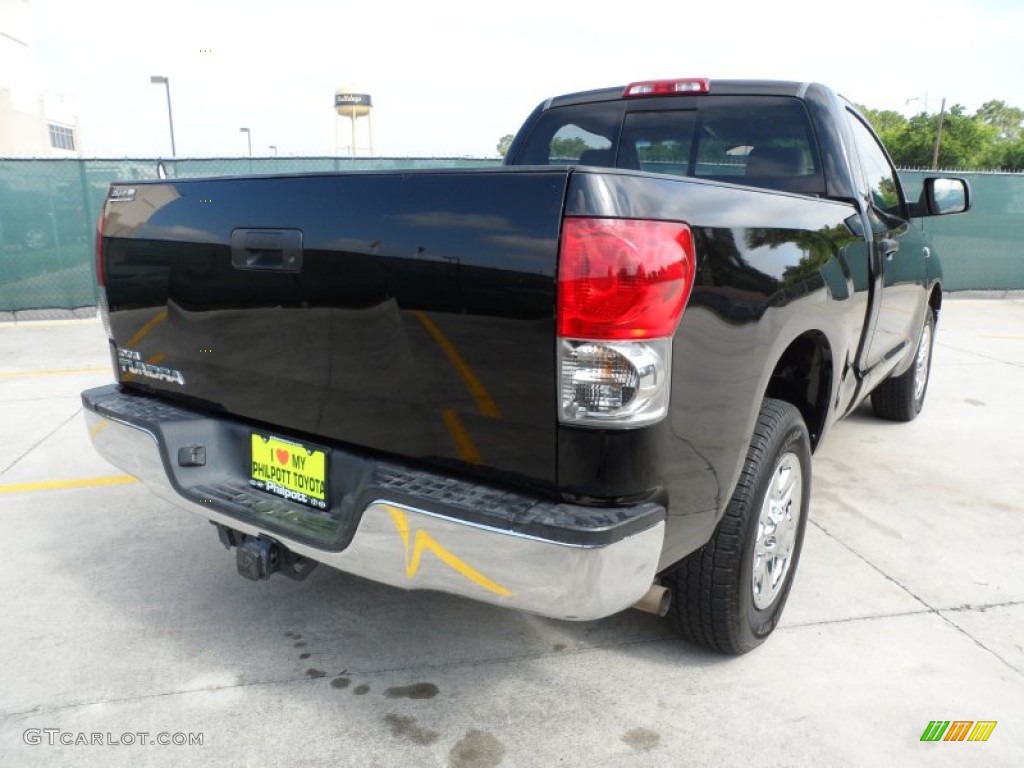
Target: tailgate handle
[{"x": 279, "y": 250}]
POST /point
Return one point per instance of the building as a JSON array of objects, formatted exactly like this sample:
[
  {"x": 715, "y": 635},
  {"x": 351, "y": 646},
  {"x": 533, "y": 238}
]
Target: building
[{"x": 33, "y": 122}]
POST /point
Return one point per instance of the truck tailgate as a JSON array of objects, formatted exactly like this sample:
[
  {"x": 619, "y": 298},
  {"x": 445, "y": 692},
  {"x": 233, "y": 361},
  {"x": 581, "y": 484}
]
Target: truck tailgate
[{"x": 411, "y": 313}]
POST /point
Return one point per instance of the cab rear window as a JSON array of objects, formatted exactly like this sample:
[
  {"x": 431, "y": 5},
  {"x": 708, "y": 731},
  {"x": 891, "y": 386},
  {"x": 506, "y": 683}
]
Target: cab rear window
[{"x": 762, "y": 141}]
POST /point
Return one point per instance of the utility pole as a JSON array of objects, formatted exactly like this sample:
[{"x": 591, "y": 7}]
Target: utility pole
[
  {"x": 166, "y": 82},
  {"x": 938, "y": 136}
]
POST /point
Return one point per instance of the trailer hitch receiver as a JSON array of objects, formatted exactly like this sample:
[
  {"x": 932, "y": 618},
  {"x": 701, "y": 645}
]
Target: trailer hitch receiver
[{"x": 257, "y": 557}]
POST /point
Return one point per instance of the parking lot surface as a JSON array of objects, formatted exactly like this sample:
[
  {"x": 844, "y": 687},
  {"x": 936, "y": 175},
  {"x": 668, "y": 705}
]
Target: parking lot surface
[{"x": 124, "y": 616}]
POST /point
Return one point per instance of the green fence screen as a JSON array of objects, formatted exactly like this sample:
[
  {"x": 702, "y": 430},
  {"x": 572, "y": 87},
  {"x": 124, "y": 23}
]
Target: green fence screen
[
  {"x": 48, "y": 211},
  {"x": 982, "y": 250}
]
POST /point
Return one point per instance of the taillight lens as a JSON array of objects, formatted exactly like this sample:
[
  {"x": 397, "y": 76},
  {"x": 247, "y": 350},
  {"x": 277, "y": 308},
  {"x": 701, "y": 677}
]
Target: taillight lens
[
  {"x": 623, "y": 278},
  {"x": 622, "y": 288}
]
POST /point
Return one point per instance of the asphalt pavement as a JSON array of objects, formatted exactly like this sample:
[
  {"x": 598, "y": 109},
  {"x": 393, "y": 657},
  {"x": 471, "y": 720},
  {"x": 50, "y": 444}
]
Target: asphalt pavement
[{"x": 125, "y": 624}]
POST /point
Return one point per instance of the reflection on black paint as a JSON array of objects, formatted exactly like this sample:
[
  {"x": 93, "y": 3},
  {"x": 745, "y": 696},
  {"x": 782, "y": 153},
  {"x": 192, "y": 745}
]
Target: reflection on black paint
[
  {"x": 726, "y": 282},
  {"x": 334, "y": 349},
  {"x": 745, "y": 271}
]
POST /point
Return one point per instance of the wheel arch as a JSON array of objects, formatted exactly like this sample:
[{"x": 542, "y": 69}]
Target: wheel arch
[
  {"x": 935, "y": 299},
  {"x": 803, "y": 377}
]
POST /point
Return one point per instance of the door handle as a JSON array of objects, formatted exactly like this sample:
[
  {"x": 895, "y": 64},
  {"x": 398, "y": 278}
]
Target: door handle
[
  {"x": 889, "y": 246},
  {"x": 278, "y": 250}
]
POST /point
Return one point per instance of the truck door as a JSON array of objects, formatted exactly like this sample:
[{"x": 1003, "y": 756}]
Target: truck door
[{"x": 897, "y": 261}]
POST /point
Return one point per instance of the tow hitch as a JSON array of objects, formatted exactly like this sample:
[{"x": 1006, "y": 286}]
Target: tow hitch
[{"x": 258, "y": 557}]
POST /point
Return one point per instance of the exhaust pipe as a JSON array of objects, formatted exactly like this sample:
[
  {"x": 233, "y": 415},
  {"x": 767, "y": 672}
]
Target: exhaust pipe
[{"x": 656, "y": 601}]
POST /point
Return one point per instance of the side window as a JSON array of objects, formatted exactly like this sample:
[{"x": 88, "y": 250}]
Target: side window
[
  {"x": 883, "y": 181},
  {"x": 580, "y": 134},
  {"x": 571, "y": 141}
]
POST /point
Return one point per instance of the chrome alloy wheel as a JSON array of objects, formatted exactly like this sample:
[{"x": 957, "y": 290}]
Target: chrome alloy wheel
[
  {"x": 776, "y": 531},
  {"x": 924, "y": 359}
]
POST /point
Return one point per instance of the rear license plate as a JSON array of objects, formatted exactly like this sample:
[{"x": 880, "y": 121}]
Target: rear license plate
[{"x": 289, "y": 469}]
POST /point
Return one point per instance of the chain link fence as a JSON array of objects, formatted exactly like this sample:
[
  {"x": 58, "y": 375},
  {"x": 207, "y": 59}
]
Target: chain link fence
[{"x": 48, "y": 211}]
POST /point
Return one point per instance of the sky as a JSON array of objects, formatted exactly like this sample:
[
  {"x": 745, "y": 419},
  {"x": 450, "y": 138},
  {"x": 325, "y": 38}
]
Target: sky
[{"x": 451, "y": 78}]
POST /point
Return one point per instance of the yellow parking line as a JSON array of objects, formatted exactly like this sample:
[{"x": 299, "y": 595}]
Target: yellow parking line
[
  {"x": 484, "y": 402},
  {"x": 160, "y": 317},
  {"x": 465, "y": 444},
  {"x": 50, "y": 372},
  {"x": 53, "y": 485}
]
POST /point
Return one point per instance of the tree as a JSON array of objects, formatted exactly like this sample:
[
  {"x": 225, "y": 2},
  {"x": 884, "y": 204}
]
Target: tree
[
  {"x": 568, "y": 149},
  {"x": 1006, "y": 155},
  {"x": 504, "y": 143},
  {"x": 992, "y": 137},
  {"x": 887, "y": 123},
  {"x": 965, "y": 140},
  {"x": 1005, "y": 119}
]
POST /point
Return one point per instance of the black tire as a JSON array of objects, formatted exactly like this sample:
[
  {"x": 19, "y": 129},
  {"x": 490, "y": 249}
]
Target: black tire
[
  {"x": 713, "y": 589},
  {"x": 901, "y": 398}
]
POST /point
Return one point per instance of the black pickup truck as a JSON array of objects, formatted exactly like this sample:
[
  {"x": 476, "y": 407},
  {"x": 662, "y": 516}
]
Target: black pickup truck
[{"x": 590, "y": 379}]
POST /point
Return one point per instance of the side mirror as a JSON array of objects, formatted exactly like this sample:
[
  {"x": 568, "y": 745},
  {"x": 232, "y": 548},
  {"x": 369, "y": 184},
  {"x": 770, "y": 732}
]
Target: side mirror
[{"x": 942, "y": 196}]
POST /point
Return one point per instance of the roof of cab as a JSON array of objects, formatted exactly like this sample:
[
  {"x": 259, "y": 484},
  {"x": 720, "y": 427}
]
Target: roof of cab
[{"x": 717, "y": 87}]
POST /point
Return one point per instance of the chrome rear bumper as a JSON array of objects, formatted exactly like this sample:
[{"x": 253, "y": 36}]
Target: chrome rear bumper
[{"x": 406, "y": 546}]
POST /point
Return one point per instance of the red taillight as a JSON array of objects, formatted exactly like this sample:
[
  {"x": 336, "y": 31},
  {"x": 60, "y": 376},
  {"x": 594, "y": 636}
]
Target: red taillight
[
  {"x": 101, "y": 277},
  {"x": 623, "y": 279},
  {"x": 667, "y": 87}
]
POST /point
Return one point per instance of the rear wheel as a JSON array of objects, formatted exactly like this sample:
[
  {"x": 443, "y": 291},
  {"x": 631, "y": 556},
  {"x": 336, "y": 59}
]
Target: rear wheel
[
  {"x": 729, "y": 594},
  {"x": 901, "y": 398}
]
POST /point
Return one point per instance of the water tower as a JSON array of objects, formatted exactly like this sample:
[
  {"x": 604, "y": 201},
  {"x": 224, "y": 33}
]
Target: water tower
[{"x": 350, "y": 102}]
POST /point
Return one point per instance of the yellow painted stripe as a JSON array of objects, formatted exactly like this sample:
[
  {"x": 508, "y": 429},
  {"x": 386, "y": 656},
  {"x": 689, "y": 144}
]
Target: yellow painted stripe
[
  {"x": 424, "y": 541},
  {"x": 54, "y": 485},
  {"x": 459, "y": 433},
  {"x": 484, "y": 402},
  {"x": 50, "y": 372},
  {"x": 160, "y": 317}
]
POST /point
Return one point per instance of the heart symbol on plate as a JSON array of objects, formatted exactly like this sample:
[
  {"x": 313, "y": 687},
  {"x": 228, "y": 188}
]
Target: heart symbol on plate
[{"x": 282, "y": 456}]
